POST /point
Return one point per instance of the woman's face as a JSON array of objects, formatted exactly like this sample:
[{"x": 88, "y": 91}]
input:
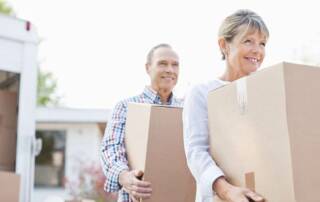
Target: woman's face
[{"x": 245, "y": 53}]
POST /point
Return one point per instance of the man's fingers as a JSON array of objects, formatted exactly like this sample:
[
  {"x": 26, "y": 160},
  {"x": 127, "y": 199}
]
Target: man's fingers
[
  {"x": 138, "y": 182},
  {"x": 141, "y": 189},
  {"x": 134, "y": 199},
  {"x": 140, "y": 195},
  {"x": 134, "y": 195},
  {"x": 137, "y": 188},
  {"x": 138, "y": 173}
]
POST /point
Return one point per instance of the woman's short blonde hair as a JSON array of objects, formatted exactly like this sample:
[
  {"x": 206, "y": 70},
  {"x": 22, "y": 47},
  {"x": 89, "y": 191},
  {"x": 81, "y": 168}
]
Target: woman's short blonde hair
[{"x": 241, "y": 22}]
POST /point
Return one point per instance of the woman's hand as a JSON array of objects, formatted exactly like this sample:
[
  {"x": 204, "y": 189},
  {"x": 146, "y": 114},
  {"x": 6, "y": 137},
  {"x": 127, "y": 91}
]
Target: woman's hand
[{"x": 230, "y": 193}]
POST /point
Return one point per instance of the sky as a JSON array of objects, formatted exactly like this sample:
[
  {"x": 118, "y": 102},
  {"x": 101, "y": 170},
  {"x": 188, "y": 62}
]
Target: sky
[{"x": 97, "y": 49}]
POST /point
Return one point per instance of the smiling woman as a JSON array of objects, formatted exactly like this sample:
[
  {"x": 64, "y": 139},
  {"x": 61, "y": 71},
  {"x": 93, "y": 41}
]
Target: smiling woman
[{"x": 242, "y": 39}]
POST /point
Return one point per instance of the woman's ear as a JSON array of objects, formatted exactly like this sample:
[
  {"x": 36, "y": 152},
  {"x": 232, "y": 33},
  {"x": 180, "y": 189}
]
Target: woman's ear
[{"x": 223, "y": 45}]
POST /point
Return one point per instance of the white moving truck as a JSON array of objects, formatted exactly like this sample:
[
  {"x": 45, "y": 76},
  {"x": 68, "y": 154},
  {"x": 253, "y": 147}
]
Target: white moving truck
[{"x": 18, "y": 77}]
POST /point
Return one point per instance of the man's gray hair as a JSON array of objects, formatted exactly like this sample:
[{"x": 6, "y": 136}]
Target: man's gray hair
[{"x": 150, "y": 53}]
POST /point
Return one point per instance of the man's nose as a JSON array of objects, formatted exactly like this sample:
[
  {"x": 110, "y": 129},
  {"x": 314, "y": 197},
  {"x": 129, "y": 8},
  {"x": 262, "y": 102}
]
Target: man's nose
[{"x": 169, "y": 68}]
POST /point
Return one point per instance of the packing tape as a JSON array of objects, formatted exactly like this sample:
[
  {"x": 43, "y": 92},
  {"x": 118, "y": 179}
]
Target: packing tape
[
  {"x": 242, "y": 95},
  {"x": 250, "y": 181}
]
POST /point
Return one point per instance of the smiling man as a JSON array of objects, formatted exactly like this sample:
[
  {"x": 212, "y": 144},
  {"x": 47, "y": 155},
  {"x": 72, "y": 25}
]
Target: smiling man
[{"x": 162, "y": 66}]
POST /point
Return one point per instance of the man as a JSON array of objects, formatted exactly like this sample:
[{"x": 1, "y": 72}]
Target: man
[{"x": 163, "y": 69}]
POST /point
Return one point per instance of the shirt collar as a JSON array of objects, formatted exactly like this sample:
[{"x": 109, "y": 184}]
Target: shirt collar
[
  {"x": 154, "y": 96},
  {"x": 222, "y": 81}
]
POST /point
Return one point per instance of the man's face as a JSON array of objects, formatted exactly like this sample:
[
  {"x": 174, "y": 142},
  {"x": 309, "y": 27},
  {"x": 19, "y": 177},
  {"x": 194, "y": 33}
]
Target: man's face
[{"x": 163, "y": 69}]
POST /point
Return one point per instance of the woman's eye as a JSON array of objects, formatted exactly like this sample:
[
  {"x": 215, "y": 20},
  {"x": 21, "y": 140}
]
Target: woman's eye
[{"x": 263, "y": 44}]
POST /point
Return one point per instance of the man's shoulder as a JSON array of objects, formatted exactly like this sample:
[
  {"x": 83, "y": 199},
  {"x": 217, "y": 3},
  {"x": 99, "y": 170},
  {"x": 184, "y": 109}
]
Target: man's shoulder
[
  {"x": 135, "y": 99},
  {"x": 141, "y": 98},
  {"x": 121, "y": 107},
  {"x": 177, "y": 102}
]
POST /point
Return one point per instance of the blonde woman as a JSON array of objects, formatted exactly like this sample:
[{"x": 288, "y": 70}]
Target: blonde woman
[{"x": 242, "y": 39}]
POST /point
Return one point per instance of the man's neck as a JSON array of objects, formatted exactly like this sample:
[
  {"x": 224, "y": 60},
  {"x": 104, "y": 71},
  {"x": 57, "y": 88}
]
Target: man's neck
[{"x": 164, "y": 94}]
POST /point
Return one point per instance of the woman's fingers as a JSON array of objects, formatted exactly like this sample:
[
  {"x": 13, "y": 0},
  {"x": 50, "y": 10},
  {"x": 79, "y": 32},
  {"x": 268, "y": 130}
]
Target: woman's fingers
[{"x": 254, "y": 196}]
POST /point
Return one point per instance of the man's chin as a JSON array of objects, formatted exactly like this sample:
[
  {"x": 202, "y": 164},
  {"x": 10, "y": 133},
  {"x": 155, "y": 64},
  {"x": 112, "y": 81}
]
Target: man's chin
[{"x": 167, "y": 88}]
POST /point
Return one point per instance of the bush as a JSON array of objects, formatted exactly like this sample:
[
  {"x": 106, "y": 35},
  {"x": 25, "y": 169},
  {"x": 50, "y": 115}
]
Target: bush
[{"x": 89, "y": 184}]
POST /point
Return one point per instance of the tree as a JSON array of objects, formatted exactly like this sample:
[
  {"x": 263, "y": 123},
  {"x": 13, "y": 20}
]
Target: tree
[
  {"x": 5, "y": 8},
  {"x": 46, "y": 88},
  {"x": 47, "y": 84}
]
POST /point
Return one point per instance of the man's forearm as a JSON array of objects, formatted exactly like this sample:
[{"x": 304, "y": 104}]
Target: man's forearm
[
  {"x": 112, "y": 177},
  {"x": 112, "y": 165}
]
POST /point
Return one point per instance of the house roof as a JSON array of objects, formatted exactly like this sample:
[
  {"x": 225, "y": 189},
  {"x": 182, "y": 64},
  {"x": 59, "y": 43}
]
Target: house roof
[{"x": 71, "y": 115}]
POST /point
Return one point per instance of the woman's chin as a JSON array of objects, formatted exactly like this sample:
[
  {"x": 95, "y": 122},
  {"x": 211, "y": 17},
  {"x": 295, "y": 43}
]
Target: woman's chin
[{"x": 253, "y": 69}]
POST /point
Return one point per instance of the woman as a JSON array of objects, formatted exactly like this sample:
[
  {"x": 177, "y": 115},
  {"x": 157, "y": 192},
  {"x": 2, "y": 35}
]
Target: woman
[{"x": 242, "y": 39}]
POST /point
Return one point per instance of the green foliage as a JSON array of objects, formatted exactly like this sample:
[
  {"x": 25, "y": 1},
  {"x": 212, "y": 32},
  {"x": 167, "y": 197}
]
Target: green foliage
[
  {"x": 5, "y": 8},
  {"x": 47, "y": 84},
  {"x": 46, "y": 89}
]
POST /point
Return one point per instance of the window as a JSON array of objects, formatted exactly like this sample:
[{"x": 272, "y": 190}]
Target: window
[{"x": 49, "y": 169}]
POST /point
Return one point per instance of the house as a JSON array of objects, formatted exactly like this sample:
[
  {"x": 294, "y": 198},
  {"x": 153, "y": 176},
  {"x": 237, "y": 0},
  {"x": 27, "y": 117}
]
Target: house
[{"x": 70, "y": 144}]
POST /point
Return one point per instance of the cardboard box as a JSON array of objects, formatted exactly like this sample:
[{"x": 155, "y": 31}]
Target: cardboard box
[
  {"x": 10, "y": 187},
  {"x": 8, "y": 130},
  {"x": 154, "y": 144},
  {"x": 268, "y": 123}
]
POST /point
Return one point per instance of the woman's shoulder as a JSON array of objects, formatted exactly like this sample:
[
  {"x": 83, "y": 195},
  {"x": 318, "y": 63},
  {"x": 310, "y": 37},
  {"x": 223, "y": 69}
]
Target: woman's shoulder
[
  {"x": 206, "y": 87},
  {"x": 197, "y": 94}
]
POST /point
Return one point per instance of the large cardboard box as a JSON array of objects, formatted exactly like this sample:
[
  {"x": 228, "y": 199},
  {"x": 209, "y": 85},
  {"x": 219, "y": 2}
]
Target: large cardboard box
[
  {"x": 268, "y": 124},
  {"x": 154, "y": 144},
  {"x": 8, "y": 130},
  {"x": 10, "y": 187}
]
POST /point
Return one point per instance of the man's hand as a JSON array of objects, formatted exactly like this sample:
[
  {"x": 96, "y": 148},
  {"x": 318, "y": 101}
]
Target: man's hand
[
  {"x": 131, "y": 183},
  {"x": 230, "y": 193}
]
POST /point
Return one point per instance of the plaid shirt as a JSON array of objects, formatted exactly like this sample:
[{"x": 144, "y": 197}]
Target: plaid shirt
[{"x": 113, "y": 151}]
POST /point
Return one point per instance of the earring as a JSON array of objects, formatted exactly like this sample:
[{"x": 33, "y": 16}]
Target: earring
[{"x": 225, "y": 52}]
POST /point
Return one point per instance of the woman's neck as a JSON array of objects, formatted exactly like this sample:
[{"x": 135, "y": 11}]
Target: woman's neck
[{"x": 231, "y": 75}]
